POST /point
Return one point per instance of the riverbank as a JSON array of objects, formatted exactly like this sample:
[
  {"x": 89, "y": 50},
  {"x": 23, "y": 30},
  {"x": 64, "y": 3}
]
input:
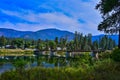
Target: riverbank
[
  {"x": 29, "y": 52},
  {"x": 84, "y": 67},
  {"x": 101, "y": 70},
  {"x": 15, "y": 52}
]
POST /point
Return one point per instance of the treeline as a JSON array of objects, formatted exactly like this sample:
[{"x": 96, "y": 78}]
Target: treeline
[{"x": 80, "y": 42}]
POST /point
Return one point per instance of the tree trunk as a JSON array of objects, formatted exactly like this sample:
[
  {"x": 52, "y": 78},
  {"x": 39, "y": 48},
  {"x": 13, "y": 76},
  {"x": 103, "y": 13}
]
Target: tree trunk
[{"x": 119, "y": 39}]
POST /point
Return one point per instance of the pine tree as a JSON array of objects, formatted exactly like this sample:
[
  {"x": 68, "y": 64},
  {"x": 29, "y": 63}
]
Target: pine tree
[
  {"x": 110, "y": 10},
  {"x": 2, "y": 41}
]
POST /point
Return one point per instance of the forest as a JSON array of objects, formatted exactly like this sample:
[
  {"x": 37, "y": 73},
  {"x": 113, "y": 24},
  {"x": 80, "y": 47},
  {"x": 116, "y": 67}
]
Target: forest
[{"x": 80, "y": 42}]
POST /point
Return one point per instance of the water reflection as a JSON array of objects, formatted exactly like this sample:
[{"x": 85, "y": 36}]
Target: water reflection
[
  {"x": 6, "y": 67},
  {"x": 9, "y": 62},
  {"x": 47, "y": 61},
  {"x": 9, "y": 66}
]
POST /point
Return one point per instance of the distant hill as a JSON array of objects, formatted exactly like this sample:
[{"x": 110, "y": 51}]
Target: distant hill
[
  {"x": 41, "y": 34},
  {"x": 13, "y": 33},
  {"x": 45, "y": 34}
]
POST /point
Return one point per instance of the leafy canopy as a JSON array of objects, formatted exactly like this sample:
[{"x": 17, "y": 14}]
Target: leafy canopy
[{"x": 110, "y": 10}]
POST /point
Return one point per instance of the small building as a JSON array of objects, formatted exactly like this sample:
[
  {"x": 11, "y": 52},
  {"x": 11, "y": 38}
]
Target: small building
[
  {"x": 10, "y": 47},
  {"x": 59, "y": 48}
]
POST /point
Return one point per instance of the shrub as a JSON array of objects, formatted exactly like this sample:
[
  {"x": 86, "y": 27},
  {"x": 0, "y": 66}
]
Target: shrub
[
  {"x": 105, "y": 55},
  {"x": 116, "y": 55}
]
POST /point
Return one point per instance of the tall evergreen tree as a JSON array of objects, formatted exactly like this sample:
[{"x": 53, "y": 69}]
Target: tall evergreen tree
[
  {"x": 90, "y": 40},
  {"x": 2, "y": 41},
  {"x": 56, "y": 41},
  {"x": 80, "y": 41},
  {"x": 52, "y": 45},
  {"x": 95, "y": 45},
  {"x": 76, "y": 40},
  {"x": 63, "y": 43},
  {"x": 18, "y": 42}
]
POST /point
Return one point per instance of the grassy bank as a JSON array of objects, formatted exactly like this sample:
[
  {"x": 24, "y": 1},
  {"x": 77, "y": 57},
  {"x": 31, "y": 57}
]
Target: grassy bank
[
  {"x": 11, "y": 52},
  {"x": 19, "y": 52}
]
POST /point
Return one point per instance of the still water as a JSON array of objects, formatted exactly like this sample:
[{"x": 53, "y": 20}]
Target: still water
[
  {"x": 6, "y": 63},
  {"x": 6, "y": 67}
]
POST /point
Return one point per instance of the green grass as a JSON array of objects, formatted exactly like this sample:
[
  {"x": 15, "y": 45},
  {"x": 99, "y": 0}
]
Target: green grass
[{"x": 11, "y": 52}]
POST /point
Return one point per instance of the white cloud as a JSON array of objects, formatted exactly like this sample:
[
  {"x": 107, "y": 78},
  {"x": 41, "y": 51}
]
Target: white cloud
[{"x": 76, "y": 9}]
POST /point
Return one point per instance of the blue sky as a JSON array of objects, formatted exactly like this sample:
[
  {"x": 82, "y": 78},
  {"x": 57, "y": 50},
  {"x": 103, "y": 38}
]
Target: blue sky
[{"x": 33, "y": 15}]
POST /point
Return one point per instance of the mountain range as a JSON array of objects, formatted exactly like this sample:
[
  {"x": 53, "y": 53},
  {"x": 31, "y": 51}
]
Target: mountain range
[
  {"x": 41, "y": 34},
  {"x": 49, "y": 34}
]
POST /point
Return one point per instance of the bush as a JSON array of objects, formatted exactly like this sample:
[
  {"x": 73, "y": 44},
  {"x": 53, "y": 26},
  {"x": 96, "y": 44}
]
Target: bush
[
  {"x": 116, "y": 55},
  {"x": 105, "y": 55},
  {"x": 106, "y": 70}
]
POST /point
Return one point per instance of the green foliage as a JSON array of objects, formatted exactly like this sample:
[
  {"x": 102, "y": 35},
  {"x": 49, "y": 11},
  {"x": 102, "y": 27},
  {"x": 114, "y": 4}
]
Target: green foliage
[
  {"x": 52, "y": 45},
  {"x": 27, "y": 44},
  {"x": 20, "y": 63},
  {"x": 18, "y": 42},
  {"x": 56, "y": 41},
  {"x": 2, "y": 41},
  {"x": 101, "y": 70},
  {"x": 107, "y": 5},
  {"x": 80, "y": 42},
  {"x": 63, "y": 43},
  {"x": 105, "y": 55},
  {"x": 81, "y": 68},
  {"x": 106, "y": 69},
  {"x": 41, "y": 46},
  {"x": 95, "y": 45},
  {"x": 70, "y": 46},
  {"x": 110, "y": 10},
  {"x": 116, "y": 55},
  {"x": 86, "y": 59}
]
